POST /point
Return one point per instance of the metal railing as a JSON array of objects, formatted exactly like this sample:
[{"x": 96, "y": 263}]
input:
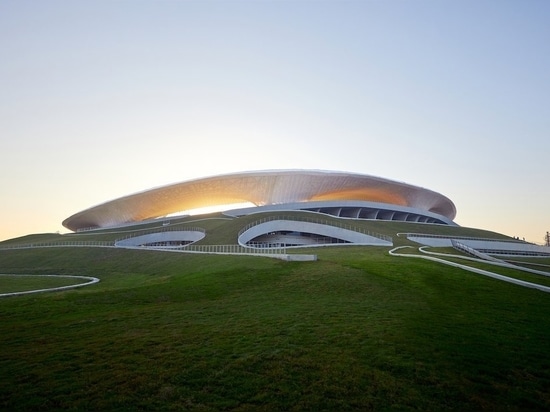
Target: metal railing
[
  {"x": 471, "y": 251},
  {"x": 65, "y": 243},
  {"x": 100, "y": 243},
  {"x": 428, "y": 235},
  {"x": 233, "y": 249}
]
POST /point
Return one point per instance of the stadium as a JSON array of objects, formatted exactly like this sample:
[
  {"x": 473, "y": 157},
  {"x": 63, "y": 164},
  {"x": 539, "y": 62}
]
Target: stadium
[
  {"x": 309, "y": 194},
  {"x": 304, "y": 290},
  {"x": 337, "y": 193}
]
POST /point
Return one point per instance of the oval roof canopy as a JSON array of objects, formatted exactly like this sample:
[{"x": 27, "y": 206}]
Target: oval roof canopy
[{"x": 260, "y": 188}]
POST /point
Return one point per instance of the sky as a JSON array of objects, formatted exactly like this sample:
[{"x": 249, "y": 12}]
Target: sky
[{"x": 101, "y": 99}]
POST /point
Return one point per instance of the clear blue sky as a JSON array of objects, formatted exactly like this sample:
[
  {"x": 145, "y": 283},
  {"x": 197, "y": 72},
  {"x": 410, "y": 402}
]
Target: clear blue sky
[{"x": 100, "y": 99}]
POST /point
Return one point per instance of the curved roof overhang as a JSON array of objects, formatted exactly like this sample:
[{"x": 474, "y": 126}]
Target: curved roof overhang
[{"x": 260, "y": 188}]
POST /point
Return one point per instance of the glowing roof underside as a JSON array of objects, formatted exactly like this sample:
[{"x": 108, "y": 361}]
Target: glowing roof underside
[{"x": 260, "y": 188}]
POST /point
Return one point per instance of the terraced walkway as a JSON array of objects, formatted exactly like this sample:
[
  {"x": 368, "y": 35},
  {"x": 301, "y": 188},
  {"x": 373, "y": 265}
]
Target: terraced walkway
[{"x": 440, "y": 259}]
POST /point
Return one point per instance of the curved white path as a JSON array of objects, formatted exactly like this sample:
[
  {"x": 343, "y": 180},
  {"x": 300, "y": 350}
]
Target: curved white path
[
  {"x": 472, "y": 269},
  {"x": 90, "y": 281}
]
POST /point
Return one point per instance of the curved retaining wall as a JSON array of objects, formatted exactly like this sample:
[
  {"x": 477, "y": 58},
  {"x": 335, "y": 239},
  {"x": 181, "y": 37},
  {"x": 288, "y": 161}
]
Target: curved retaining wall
[
  {"x": 186, "y": 236},
  {"x": 488, "y": 246},
  {"x": 309, "y": 227}
]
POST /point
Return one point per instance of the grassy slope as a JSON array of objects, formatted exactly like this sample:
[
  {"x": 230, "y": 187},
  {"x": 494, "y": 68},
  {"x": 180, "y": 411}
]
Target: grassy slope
[
  {"x": 221, "y": 229},
  {"x": 356, "y": 330}
]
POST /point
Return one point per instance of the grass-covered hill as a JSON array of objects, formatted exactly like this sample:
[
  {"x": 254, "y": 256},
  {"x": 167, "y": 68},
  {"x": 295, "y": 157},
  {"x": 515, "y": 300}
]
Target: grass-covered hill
[{"x": 356, "y": 330}]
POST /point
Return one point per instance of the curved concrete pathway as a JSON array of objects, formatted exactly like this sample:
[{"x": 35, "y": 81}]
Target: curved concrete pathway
[
  {"x": 90, "y": 281},
  {"x": 473, "y": 269}
]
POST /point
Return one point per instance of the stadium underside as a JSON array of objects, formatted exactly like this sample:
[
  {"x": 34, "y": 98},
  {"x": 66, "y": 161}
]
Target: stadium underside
[
  {"x": 341, "y": 194},
  {"x": 354, "y": 210}
]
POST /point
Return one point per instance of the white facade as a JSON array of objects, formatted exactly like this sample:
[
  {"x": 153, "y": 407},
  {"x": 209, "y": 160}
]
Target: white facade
[{"x": 263, "y": 188}]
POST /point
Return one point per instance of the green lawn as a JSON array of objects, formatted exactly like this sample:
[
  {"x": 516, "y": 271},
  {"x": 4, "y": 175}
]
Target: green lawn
[{"x": 358, "y": 329}]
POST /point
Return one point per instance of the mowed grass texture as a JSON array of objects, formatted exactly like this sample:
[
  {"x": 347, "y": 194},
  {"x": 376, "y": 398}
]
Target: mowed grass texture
[{"x": 356, "y": 330}]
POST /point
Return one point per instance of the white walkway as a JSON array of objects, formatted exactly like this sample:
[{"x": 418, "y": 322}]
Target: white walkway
[
  {"x": 89, "y": 281},
  {"x": 494, "y": 275}
]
